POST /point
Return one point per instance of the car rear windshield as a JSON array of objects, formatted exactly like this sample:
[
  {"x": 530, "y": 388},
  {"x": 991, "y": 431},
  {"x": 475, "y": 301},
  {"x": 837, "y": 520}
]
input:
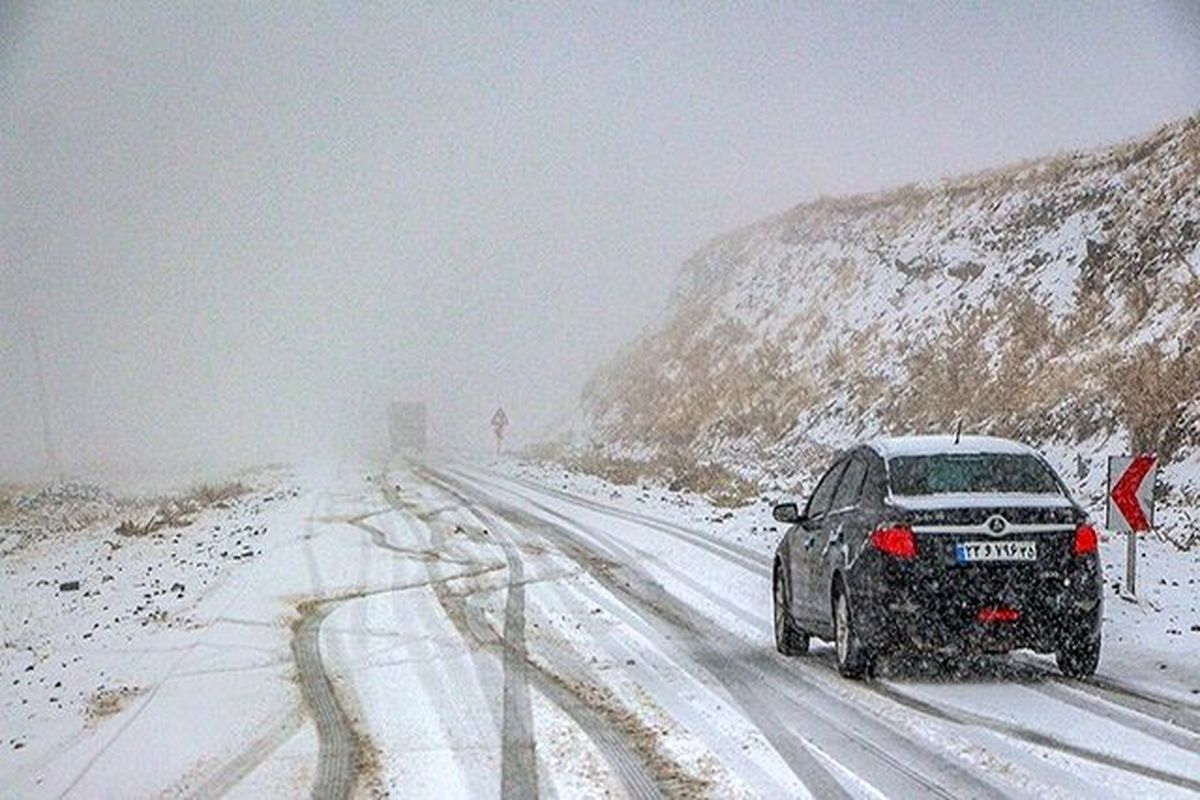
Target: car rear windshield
[{"x": 970, "y": 474}]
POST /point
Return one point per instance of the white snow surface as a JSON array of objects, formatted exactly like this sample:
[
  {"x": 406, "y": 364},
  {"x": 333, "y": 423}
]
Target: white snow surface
[
  {"x": 644, "y": 622},
  {"x": 929, "y": 445}
]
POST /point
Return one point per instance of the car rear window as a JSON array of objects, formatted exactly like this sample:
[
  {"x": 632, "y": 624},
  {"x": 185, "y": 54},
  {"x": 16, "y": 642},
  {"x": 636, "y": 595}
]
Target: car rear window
[{"x": 969, "y": 474}]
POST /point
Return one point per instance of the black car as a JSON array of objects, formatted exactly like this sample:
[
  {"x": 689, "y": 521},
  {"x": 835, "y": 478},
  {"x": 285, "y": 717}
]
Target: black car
[{"x": 940, "y": 544}]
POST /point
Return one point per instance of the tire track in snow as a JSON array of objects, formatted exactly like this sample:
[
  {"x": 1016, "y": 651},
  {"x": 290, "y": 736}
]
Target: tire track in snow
[
  {"x": 340, "y": 748},
  {"x": 745, "y": 557},
  {"x": 623, "y": 755},
  {"x": 1118, "y": 687},
  {"x": 803, "y": 763},
  {"x": 220, "y": 783},
  {"x": 1173, "y": 726},
  {"x": 659, "y": 681},
  {"x": 963, "y": 717},
  {"x": 335, "y": 739},
  {"x": 558, "y": 688},
  {"x": 846, "y": 732},
  {"x": 335, "y": 773},
  {"x": 1167, "y": 713},
  {"x": 518, "y": 751},
  {"x": 379, "y": 539},
  {"x": 709, "y": 545},
  {"x": 456, "y": 710}
]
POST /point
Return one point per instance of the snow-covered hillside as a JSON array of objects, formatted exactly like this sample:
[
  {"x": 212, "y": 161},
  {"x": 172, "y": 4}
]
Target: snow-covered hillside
[{"x": 1057, "y": 301}]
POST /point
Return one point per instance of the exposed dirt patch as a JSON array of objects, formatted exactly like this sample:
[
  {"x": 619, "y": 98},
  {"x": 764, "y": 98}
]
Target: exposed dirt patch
[
  {"x": 368, "y": 768},
  {"x": 105, "y": 703}
]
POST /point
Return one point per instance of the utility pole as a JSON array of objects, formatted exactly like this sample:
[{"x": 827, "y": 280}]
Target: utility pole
[{"x": 44, "y": 404}]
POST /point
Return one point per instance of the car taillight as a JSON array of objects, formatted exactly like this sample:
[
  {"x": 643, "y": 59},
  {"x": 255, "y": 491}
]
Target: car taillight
[
  {"x": 997, "y": 614},
  {"x": 1085, "y": 540},
  {"x": 896, "y": 540}
]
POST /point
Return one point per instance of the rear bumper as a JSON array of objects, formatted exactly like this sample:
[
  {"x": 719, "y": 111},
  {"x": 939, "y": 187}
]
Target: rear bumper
[{"x": 899, "y": 608}]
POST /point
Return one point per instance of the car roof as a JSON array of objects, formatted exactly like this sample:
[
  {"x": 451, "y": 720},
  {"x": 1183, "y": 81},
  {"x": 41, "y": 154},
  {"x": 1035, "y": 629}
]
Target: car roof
[{"x": 893, "y": 446}]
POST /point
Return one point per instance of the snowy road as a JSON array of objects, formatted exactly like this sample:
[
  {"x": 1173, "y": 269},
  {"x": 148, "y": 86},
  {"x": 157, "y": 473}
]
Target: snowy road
[
  {"x": 1011, "y": 729},
  {"x": 452, "y": 631}
]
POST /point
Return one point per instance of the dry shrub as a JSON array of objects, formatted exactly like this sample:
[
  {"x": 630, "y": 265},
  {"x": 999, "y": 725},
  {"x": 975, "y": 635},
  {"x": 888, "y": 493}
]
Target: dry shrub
[
  {"x": 677, "y": 469},
  {"x": 718, "y": 484},
  {"x": 621, "y": 471},
  {"x": 653, "y": 405},
  {"x": 544, "y": 452},
  {"x": 174, "y": 513},
  {"x": 1032, "y": 384},
  {"x": 1156, "y": 397},
  {"x": 215, "y": 494},
  {"x": 180, "y": 512},
  {"x": 945, "y": 376}
]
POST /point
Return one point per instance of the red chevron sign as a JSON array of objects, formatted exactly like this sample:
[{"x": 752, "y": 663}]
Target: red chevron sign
[{"x": 1131, "y": 492}]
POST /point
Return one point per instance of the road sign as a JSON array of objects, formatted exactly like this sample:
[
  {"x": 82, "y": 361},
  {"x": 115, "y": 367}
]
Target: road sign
[
  {"x": 1131, "y": 493},
  {"x": 499, "y": 423},
  {"x": 1130, "y": 506}
]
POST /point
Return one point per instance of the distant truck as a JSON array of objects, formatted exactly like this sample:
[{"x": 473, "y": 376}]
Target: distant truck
[{"x": 406, "y": 426}]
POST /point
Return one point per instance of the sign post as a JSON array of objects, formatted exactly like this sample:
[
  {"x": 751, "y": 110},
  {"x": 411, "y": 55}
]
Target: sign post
[
  {"x": 1130, "y": 507},
  {"x": 499, "y": 423}
]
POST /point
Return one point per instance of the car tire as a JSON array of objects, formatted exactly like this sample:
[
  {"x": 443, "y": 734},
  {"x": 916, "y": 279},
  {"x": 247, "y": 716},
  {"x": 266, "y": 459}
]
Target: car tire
[
  {"x": 789, "y": 639},
  {"x": 1079, "y": 657},
  {"x": 853, "y": 658}
]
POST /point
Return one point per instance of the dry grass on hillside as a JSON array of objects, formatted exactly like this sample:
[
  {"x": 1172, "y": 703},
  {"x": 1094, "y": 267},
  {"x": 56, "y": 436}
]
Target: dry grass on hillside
[
  {"x": 1157, "y": 397},
  {"x": 706, "y": 387},
  {"x": 1049, "y": 382},
  {"x": 1043, "y": 379},
  {"x": 8, "y": 495},
  {"x": 678, "y": 470},
  {"x": 180, "y": 511}
]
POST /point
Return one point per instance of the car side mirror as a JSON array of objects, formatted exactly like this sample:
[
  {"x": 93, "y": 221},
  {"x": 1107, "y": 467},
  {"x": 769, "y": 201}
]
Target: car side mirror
[{"x": 787, "y": 512}]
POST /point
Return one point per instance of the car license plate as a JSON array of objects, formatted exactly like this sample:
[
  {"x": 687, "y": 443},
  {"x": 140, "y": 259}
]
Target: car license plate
[{"x": 969, "y": 552}]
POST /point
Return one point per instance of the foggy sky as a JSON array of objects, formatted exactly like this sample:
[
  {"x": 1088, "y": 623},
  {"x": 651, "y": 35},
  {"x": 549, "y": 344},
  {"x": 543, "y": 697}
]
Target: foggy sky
[{"x": 239, "y": 231}]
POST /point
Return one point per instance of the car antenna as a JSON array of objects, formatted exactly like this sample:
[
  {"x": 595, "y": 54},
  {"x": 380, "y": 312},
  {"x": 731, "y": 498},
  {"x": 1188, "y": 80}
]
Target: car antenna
[{"x": 958, "y": 432}]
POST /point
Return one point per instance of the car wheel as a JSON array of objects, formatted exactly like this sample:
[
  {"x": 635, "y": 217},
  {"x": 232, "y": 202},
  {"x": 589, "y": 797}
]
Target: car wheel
[
  {"x": 853, "y": 658},
  {"x": 789, "y": 640},
  {"x": 1078, "y": 658}
]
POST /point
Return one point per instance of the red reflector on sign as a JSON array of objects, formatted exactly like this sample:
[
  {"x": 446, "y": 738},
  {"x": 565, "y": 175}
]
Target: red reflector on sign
[{"x": 998, "y": 614}]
